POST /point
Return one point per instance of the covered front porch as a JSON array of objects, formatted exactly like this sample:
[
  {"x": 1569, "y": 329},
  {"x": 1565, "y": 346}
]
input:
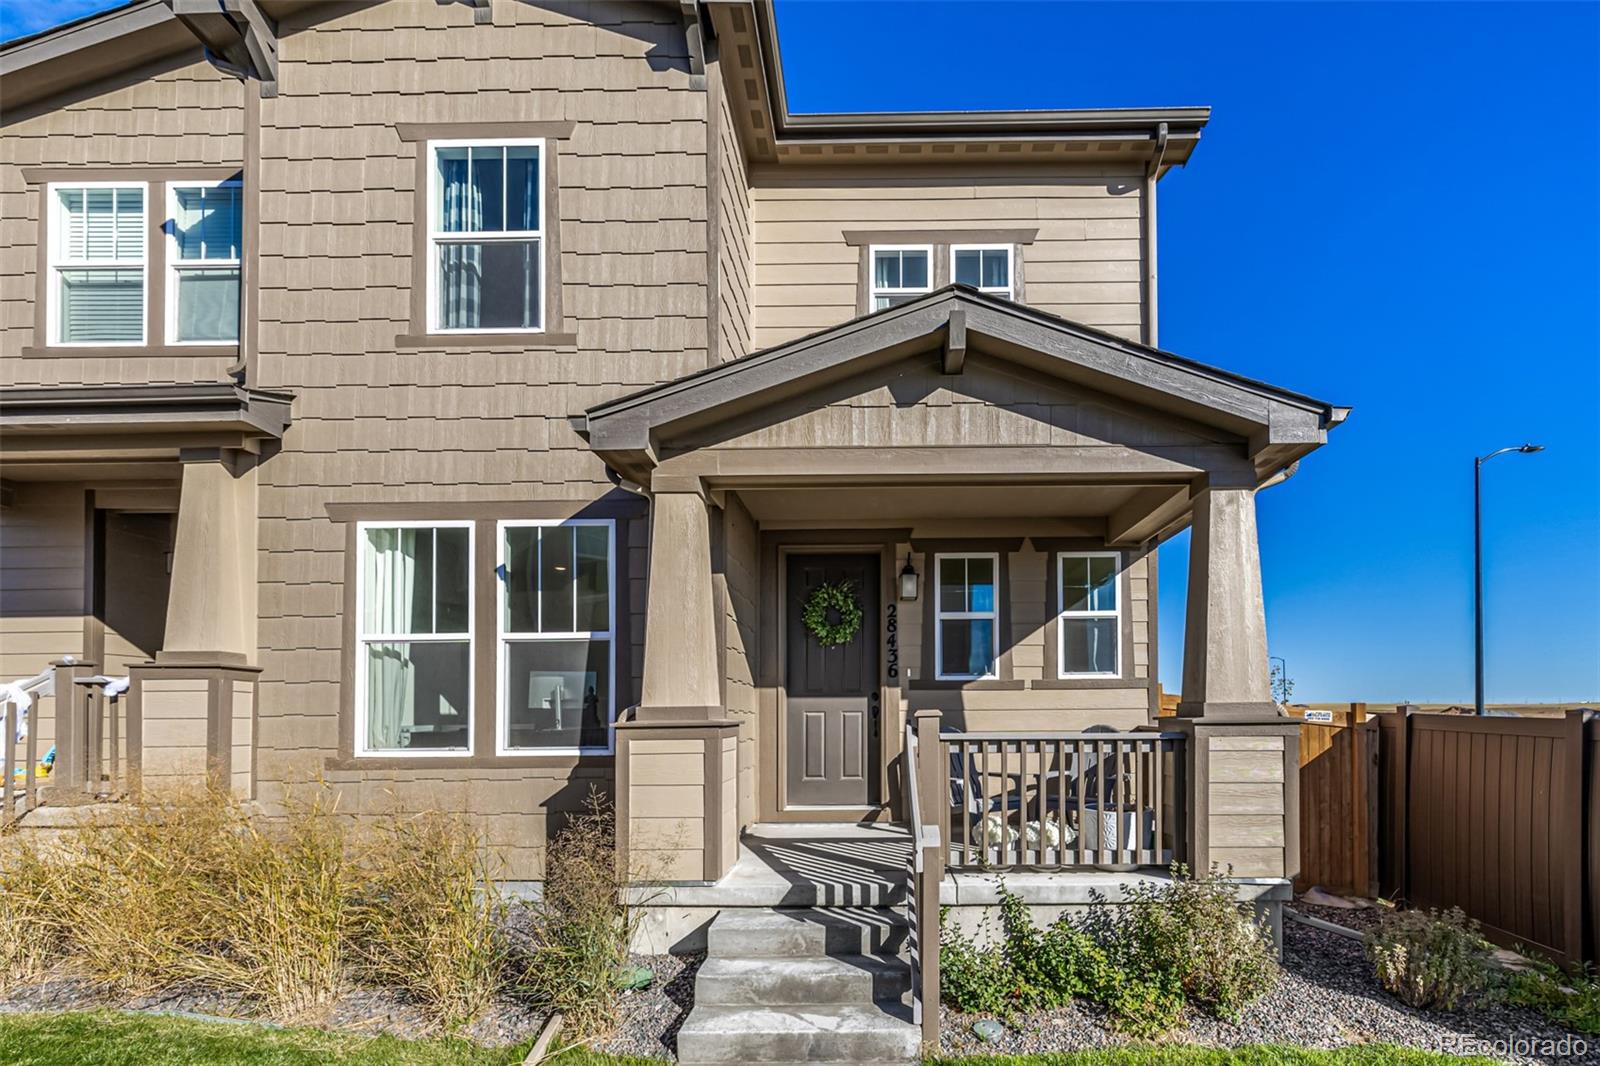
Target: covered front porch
[{"x": 991, "y": 483}]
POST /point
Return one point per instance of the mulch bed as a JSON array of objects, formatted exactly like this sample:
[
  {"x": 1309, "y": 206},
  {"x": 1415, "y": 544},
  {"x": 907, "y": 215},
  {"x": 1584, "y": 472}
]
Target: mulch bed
[{"x": 1327, "y": 998}]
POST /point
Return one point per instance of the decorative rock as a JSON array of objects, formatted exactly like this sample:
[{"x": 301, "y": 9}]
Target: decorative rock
[
  {"x": 635, "y": 978},
  {"x": 988, "y": 1030}
]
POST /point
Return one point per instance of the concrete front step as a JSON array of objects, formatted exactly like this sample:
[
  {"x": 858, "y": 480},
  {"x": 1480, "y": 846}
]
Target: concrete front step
[
  {"x": 805, "y": 933},
  {"x": 853, "y": 1034},
  {"x": 800, "y": 982}
]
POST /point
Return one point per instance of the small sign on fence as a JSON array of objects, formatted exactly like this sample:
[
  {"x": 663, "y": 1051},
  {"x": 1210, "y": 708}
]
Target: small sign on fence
[{"x": 1319, "y": 716}]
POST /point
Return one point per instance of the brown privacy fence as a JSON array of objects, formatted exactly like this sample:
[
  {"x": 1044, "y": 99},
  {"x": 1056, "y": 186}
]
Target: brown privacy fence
[{"x": 1499, "y": 816}]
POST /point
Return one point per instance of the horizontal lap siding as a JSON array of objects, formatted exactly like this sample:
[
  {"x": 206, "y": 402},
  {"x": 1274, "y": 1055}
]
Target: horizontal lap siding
[
  {"x": 1084, "y": 264},
  {"x": 189, "y": 115},
  {"x": 43, "y": 562},
  {"x": 373, "y": 423}
]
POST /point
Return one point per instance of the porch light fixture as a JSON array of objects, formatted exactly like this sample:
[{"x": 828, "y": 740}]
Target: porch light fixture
[{"x": 908, "y": 580}]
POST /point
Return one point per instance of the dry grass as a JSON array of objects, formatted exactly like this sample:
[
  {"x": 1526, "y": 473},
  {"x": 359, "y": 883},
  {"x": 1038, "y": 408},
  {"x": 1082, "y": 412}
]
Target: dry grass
[
  {"x": 191, "y": 889},
  {"x": 579, "y": 932}
]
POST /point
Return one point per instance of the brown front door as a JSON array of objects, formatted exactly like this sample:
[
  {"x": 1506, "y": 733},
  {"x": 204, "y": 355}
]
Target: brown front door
[{"x": 832, "y": 692}]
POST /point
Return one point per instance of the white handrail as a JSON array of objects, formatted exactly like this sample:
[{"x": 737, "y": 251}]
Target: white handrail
[{"x": 20, "y": 694}]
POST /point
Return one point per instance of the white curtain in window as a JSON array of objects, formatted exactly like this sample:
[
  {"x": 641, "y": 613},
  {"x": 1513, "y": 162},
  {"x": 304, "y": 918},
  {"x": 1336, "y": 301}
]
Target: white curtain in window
[
  {"x": 460, "y": 265},
  {"x": 390, "y": 588}
]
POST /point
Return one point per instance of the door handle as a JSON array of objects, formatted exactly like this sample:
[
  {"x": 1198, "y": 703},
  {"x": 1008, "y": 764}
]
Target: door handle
[{"x": 872, "y": 711}]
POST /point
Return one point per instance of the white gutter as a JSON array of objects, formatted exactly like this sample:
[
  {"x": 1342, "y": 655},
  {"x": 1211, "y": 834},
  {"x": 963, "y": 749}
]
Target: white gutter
[{"x": 1152, "y": 175}]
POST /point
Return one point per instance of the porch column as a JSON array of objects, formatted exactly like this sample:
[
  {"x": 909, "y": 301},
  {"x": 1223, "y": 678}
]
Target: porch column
[
  {"x": 677, "y": 757},
  {"x": 194, "y": 707},
  {"x": 1242, "y": 755}
]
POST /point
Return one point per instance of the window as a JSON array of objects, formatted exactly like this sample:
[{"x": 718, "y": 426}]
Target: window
[
  {"x": 414, "y": 643},
  {"x": 486, "y": 249},
  {"x": 900, "y": 274},
  {"x": 97, "y": 258},
  {"x": 203, "y": 263},
  {"x": 1090, "y": 623},
  {"x": 966, "y": 632},
  {"x": 557, "y": 613},
  {"x": 985, "y": 267}
]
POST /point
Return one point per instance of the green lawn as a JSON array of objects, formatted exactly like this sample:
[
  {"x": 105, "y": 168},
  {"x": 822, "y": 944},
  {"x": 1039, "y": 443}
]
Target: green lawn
[
  {"x": 105, "y": 1038},
  {"x": 1258, "y": 1055},
  {"x": 108, "y": 1038}
]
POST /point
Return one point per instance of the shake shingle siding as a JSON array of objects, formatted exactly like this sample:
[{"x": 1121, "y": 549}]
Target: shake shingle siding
[
  {"x": 735, "y": 238},
  {"x": 186, "y": 114},
  {"x": 376, "y": 422}
]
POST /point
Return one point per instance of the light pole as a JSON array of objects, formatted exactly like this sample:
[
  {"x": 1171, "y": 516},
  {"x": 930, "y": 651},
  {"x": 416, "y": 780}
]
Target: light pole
[{"x": 1477, "y": 558}]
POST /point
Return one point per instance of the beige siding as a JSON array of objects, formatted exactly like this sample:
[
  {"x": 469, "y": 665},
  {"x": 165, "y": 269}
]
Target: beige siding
[
  {"x": 191, "y": 115},
  {"x": 43, "y": 560},
  {"x": 450, "y": 425},
  {"x": 666, "y": 829},
  {"x": 735, "y": 268},
  {"x": 174, "y": 715},
  {"x": 1247, "y": 821},
  {"x": 1084, "y": 264}
]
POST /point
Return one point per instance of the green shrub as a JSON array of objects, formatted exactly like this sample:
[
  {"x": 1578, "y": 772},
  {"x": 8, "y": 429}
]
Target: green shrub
[
  {"x": 1428, "y": 959},
  {"x": 1177, "y": 943},
  {"x": 576, "y": 938},
  {"x": 1569, "y": 999}
]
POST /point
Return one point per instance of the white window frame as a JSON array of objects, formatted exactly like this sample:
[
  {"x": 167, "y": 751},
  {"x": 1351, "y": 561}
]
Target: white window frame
[
  {"x": 363, "y": 639},
  {"x": 175, "y": 266},
  {"x": 940, "y": 615},
  {"x": 56, "y": 235},
  {"x": 436, "y": 236},
  {"x": 873, "y": 292},
  {"x": 1062, "y": 614},
  {"x": 503, "y": 637},
  {"x": 1008, "y": 292}
]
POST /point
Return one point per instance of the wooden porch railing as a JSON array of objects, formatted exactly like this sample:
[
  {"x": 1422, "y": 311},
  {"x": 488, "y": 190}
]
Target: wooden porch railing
[
  {"x": 1058, "y": 800},
  {"x": 1023, "y": 800}
]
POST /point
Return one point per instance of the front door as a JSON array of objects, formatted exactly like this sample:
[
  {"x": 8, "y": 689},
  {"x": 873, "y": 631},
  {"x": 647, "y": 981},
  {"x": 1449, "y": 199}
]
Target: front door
[{"x": 832, "y": 689}]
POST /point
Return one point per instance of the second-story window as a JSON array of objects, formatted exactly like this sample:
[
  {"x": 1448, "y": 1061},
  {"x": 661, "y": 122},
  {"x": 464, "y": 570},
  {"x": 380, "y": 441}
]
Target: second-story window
[
  {"x": 486, "y": 237},
  {"x": 900, "y": 274},
  {"x": 98, "y": 263},
  {"x": 203, "y": 263},
  {"x": 985, "y": 267}
]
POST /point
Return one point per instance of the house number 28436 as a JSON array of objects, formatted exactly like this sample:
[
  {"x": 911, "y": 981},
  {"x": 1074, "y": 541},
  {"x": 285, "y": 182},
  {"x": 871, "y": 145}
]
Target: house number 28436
[{"x": 892, "y": 625}]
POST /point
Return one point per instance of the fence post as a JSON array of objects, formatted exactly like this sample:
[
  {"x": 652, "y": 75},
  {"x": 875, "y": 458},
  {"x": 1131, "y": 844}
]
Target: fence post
[
  {"x": 1568, "y": 835},
  {"x": 1402, "y": 799},
  {"x": 67, "y": 776},
  {"x": 1359, "y": 828}
]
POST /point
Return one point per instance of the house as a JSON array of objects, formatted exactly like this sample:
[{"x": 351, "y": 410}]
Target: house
[{"x": 472, "y": 404}]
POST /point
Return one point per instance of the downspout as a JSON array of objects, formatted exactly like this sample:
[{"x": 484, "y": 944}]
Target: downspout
[
  {"x": 1280, "y": 477},
  {"x": 1152, "y": 175}
]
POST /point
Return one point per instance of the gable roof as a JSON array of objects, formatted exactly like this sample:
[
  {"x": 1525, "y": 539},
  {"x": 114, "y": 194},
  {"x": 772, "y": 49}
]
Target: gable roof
[{"x": 1279, "y": 426}]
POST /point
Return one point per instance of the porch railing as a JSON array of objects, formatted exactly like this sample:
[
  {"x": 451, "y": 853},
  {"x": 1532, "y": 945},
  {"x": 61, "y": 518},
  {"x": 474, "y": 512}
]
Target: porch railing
[
  {"x": 67, "y": 735},
  {"x": 1059, "y": 800},
  {"x": 19, "y": 736},
  {"x": 1025, "y": 800}
]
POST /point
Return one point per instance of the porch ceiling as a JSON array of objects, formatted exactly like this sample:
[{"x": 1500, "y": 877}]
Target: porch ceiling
[{"x": 842, "y": 505}]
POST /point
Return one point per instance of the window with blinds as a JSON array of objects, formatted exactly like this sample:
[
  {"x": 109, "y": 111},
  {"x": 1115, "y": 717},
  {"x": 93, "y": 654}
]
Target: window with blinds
[
  {"x": 98, "y": 264},
  {"x": 203, "y": 264}
]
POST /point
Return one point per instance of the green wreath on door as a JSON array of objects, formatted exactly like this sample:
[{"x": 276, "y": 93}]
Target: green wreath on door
[{"x": 840, "y": 599}]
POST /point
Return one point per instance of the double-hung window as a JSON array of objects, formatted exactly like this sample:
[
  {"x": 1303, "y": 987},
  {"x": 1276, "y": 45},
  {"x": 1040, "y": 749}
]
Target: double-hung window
[
  {"x": 486, "y": 230},
  {"x": 557, "y": 618},
  {"x": 985, "y": 267},
  {"x": 1090, "y": 621},
  {"x": 900, "y": 274},
  {"x": 966, "y": 632},
  {"x": 203, "y": 262},
  {"x": 414, "y": 638},
  {"x": 98, "y": 263}
]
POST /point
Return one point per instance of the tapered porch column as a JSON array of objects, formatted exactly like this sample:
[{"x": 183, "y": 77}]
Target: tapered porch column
[
  {"x": 1242, "y": 754},
  {"x": 194, "y": 707},
  {"x": 677, "y": 757}
]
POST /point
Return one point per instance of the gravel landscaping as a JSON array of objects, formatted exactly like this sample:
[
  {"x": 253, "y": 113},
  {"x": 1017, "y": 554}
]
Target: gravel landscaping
[
  {"x": 1327, "y": 998},
  {"x": 648, "y": 1025}
]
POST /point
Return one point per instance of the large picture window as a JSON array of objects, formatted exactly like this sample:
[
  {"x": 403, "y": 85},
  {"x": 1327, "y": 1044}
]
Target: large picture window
[
  {"x": 414, "y": 643},
  {"x": 1090, "y": 623},
  {"x": 98, "y": 263},
  {"x": 203, "y": 263},
  {"x": 486, "y": 247},
  {"x": 966, "y": 616},
  {"x": 557, "y": 619}
]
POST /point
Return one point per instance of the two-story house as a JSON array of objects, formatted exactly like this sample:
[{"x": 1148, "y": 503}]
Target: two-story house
[{"x": 470, "y": 404}]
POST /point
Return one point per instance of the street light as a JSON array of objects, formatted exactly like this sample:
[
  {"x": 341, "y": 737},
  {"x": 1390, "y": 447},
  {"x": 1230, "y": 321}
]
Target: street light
[
  {"x": 1283, "y": 672},
  {"x": 1477, "y": 556}
]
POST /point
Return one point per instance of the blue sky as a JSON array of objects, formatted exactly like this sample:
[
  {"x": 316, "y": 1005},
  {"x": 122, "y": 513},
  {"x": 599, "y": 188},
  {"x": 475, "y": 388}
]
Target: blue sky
[{"x": 1394, "y": 207}]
